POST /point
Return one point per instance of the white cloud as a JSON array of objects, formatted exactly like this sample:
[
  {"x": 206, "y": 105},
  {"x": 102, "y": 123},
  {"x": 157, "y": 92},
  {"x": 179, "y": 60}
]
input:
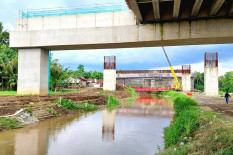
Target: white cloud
[{"x": 8, "y": 27}]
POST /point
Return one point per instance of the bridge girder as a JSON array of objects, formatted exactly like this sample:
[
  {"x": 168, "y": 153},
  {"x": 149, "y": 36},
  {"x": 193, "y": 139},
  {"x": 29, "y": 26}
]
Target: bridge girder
[{"x": 172, "y": 10}]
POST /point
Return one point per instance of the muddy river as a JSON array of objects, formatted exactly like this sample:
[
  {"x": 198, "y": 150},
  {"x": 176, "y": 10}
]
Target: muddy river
[{"x": 133, "y": 128}]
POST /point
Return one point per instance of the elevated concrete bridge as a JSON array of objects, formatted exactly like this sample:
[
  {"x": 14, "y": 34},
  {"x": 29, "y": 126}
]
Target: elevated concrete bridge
[{"x": 34, "y": 36}]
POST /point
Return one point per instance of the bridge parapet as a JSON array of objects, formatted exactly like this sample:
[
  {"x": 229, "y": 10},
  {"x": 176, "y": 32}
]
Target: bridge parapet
[{"x": 81, "y": 17}]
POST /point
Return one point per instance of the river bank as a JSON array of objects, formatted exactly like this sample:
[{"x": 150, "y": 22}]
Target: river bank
[
  {"x": 196, "y": 131},
  {"x": 134, "y": 127},
  {"x": 43, "y": 108}
]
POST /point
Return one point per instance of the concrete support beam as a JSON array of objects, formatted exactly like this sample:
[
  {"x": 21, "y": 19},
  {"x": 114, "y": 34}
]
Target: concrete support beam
[
  {"x": 231, "y": 9},
  {"x": 186, "y": 82},
  {"x": 176, "y": 8},
  {"x": 134, "y": 5},
  {"x": 155, "y": 4},
  {"x": 196, "y": 7},
  {"x": 109, "y": 81},
  {"x": 211, "y": 81},
  {"x": 33, "y": 72},
  {"x": 215, "y": 7}
]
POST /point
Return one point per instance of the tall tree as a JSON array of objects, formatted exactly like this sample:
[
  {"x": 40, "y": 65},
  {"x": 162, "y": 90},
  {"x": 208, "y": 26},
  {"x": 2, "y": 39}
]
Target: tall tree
[
  {"x": 226, "y": 82},
  {"x": 4, "y": 35},
  {"x": 199, "y": 81}
]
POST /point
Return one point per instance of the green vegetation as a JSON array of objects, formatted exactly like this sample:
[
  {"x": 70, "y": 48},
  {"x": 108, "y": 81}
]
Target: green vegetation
[
  {"x": 8, "y": 62},
  {"x": 103, "y": 92},
  {"x": 29, "y": 110},
  {"x": 226, "y": 82},
  {"x": 8, "y": 123},
  {"x": 70, "y": 105},
  {"x": 8, "y": 93},
  {"x": 56, "y": 114},
  {"x": 49, "y": 110},
  {"x": 132, "y": 91},
  {"x": 155, "y": 92},
  {"x": 196, "y": 131},
  {"x": 112, "y": 101},
  {"x": 199, "y": 81},
  {"x": 130, "y": 99}
]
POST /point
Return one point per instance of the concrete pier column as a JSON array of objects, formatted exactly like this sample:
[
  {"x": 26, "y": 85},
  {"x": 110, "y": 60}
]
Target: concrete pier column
[
  {"x": 186, "y": 78},
  {"x": 33, "y": 72},
  {"x": 211, "y": 74},
  {"x": 186, "y": 82},
  {"x": 109, "y": 81}
]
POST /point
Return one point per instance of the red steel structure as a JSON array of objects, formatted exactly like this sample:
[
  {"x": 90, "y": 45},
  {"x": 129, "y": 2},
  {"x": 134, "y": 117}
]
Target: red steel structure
[
  {"x": 110, "y": 62},
  {"x": 211, "y": 59},
  {"x": 186, "y": 69},
  {"x": 149, "y": 89}
]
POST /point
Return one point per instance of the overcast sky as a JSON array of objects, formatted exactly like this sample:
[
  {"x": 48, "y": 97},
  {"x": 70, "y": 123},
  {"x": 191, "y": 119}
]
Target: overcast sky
[{"x": 127, "y": 59}]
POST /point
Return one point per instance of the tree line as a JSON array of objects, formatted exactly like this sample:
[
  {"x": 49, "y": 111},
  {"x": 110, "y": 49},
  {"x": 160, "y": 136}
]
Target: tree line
[
  {"x": 59, "y": 74},
  {"x": 225, "y": 82}
]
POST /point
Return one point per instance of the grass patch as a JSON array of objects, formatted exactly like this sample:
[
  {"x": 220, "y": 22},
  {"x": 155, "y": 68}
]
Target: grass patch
[
  {"x": 8, "y": 93},
  {"x": 132, "y": 91},
  {"x": 29, "y": 110},
  {"x": 70, "y": 105},
  {"x": 49, "y": 110},
  {"x": 195, "y": 131},
  {"x": 130, "y": 99},
  {"x": 112, "y": 101},
  {"x": 103, "y": 92},
  {"x": 8, "y": 123}
]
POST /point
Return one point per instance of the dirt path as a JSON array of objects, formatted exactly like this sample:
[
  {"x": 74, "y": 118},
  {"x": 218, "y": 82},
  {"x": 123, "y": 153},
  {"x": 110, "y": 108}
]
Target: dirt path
[{"x": 216, "y": 104}]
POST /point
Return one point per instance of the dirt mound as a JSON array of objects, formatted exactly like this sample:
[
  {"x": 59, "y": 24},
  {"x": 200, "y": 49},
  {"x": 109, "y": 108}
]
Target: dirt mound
[
  {"x": 8, "y": 110},
  {"x": 120, "y": 87}
]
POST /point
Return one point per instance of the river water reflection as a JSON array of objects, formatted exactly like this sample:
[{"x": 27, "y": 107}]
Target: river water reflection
[{"x": 135, "y": 128}]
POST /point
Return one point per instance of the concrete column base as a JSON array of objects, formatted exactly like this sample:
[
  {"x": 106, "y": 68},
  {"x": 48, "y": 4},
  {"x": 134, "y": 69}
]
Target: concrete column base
[
  {"x": 186, "y": 82},
  {"x": 109, "y": 79},
  {"x": 211, "y": 81},
  {"x": 33, "y": 72}
]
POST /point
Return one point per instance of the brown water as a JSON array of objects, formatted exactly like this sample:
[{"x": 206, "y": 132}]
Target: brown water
[{"x": 131, "y": 129}]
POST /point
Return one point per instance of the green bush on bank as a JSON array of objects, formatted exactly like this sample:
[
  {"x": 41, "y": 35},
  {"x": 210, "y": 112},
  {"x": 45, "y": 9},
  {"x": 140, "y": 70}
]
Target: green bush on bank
[
  {"x": 184, "y": 126},
  {"x": 70, "y": 105},
  {"x": 112, "y": 101},
  {"x": 186, "y": 118},
  {"x": 210, "y": 133},
  {"x": 8, "y": 123},
  {"x": 132, "y": 91}
]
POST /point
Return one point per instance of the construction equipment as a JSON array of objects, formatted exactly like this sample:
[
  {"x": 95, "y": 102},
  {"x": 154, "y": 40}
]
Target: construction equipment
[{"x": 177, "y": 85}]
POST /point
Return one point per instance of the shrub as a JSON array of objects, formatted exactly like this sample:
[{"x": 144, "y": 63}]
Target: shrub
[
  {"x": 132, "y": 91},
  {"x": 68, "y": 104},
  {"x": 8, "y": 123},
  {"x": 184, "y": 126},
  {"x": 29, "y": 110},
  {"x": 183, "y": 102},
  {"x": 112, "y": 101},
  {"x": 49, "y": 110}
]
